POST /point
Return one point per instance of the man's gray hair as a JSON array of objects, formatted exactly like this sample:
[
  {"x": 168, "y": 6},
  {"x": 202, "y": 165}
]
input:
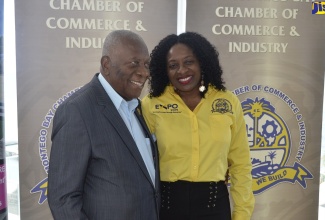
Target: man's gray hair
[{"x": 117, "y": 37}]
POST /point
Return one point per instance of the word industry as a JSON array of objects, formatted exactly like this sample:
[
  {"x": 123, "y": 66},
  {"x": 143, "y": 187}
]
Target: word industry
[{"x": 255, "y": 47}]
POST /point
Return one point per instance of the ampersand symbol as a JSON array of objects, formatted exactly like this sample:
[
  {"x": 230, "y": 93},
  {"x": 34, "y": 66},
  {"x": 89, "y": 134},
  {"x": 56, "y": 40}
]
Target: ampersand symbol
[
  {"x": 293, "y": 31},
  {"x": 139, "y": 26}
]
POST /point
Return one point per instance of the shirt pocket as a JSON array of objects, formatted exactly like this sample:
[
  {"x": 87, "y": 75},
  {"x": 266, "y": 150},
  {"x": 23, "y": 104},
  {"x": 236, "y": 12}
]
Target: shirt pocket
[{"x": 220, "y": 128}]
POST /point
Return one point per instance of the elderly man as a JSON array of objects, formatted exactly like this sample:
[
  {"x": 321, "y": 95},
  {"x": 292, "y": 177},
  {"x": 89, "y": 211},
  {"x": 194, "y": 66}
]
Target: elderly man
[{"x": 103, "y": 162}]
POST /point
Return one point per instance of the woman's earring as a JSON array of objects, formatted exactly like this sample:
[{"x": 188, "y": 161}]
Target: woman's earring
[{"x": 202, "y": 87}]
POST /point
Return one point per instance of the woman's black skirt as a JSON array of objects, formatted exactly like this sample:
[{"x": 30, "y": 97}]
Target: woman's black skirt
[{"x": 183, "y": 200}]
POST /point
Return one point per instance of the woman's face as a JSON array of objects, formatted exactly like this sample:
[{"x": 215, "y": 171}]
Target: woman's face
[{"x": 183, "y": 69}]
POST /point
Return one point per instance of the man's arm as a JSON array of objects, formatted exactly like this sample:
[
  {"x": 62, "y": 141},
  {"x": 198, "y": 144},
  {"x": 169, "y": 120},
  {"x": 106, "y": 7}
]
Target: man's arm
[{"x": 69, "y": 158}]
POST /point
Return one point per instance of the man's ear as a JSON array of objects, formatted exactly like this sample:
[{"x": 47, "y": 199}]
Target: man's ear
[{"x": 105, "y": 61}]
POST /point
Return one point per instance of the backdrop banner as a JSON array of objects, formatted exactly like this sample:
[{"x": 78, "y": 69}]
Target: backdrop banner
[
  {"x": 272, "y": 53},
  {"x": 58, "y": 51}
]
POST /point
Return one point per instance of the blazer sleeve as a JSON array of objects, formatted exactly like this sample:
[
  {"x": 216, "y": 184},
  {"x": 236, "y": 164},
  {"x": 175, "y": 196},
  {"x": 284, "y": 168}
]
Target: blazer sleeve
[{"x": 70, "y": 153}]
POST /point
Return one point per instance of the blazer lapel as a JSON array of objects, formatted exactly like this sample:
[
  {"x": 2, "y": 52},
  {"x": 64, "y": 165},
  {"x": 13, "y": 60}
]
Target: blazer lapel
[
  {"x": 138, "y": 114},
  {"x": 112, "y": 115},
  {"x": 153, "y": 145}
]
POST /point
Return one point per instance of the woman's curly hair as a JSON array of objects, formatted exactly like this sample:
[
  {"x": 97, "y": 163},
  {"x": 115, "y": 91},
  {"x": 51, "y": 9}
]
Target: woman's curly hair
[{"x": 205, "y": 52}]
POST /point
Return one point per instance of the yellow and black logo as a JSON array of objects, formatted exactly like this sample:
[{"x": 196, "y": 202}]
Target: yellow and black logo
[
  {"x": 166, "y": 108},
  {"x": 222, "y": 106}
]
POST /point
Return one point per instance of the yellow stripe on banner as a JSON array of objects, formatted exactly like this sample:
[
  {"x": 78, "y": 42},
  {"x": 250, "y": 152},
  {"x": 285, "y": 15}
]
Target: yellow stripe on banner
[{"x": 280, "y": 175}]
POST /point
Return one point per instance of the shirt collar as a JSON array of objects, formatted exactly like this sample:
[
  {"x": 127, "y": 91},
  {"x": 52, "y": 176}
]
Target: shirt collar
[{"x": 115, "y": 97}]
